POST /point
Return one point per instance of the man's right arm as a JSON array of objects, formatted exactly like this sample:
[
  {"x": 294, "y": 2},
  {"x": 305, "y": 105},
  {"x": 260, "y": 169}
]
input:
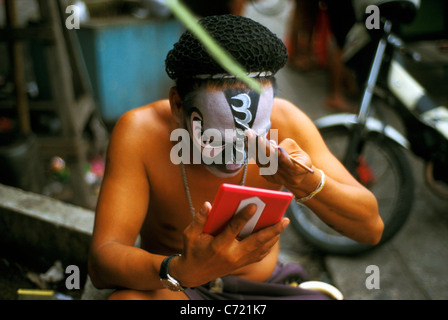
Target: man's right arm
[{"x": 121, "y": 210}]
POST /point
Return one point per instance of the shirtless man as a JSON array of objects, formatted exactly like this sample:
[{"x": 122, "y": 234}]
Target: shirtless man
[{"x": 144, "y": 189}]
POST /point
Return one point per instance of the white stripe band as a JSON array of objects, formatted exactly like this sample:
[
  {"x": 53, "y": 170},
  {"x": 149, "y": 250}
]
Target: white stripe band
[{"x": 231, "y": 76}]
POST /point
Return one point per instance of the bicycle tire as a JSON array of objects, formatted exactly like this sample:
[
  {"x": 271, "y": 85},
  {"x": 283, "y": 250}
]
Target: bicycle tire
[{"x": 394, "y": 209}]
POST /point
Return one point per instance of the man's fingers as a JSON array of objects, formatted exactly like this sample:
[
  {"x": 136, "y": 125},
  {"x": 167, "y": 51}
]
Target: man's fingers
[
  {"x": 268, "y": 236},
  {"x": 274, "y": 230},
  {"x": 261, "y": 242},
  {"x": 238, "y": 221},
  {"x": 293, "y": 150},
  {"x": 200, "y": 218},
  {"x": 289, "y": 145},
  {"x": 261, "y": 149}
]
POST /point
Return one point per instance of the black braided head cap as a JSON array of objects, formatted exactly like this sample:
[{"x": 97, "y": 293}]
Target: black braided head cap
[{"x": 251, "y": 44}]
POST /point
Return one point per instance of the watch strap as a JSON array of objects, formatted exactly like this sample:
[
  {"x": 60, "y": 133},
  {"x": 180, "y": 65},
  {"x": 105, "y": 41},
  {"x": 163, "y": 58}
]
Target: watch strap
[{"x": 164, "y": 267}]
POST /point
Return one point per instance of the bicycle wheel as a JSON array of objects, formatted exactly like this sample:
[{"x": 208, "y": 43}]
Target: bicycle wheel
[
  {"x": 269, "y": 7},
  {"x": 384, "y": 169}
]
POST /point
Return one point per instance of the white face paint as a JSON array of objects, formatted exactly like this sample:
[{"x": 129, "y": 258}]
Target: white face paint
[{"x": 217, "y": 120}]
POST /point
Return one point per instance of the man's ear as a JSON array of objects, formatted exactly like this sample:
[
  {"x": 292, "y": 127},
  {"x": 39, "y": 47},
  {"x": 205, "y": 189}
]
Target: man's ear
[{"x": 176, "y": 104}]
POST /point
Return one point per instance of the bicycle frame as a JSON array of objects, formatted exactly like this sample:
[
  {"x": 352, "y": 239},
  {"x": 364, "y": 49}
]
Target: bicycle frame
[
  {"x": 411, "y": 98},
  {"x": 362, "y": 123},
  {"x": 368, "y": 144}
]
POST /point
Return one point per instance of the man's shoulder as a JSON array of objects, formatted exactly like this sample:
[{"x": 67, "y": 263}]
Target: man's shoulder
[
  {"x": 285, "y": 112},
  {"x": 292, "y": 122},
  {"x": 149, "y": 117},
  {"x": 143, "y": 122},
  {"x": 147, "y": 113}
]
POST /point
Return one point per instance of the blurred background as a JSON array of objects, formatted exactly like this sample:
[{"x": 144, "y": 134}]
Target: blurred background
[{"x": 78, "y": 71}]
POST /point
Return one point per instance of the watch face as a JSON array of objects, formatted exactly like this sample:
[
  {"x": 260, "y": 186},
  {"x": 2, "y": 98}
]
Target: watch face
[{"x": 172, "y": 285}]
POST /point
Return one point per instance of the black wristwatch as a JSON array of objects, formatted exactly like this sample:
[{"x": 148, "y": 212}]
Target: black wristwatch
[{"x": 167, "y": 280}]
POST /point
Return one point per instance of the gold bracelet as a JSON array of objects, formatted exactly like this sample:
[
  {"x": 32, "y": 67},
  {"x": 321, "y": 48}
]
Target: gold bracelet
[{"x": 318, "y": 189}]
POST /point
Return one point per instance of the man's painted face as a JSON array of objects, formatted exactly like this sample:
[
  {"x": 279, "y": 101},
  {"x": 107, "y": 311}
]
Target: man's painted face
[{"x": 218, "y": 119}]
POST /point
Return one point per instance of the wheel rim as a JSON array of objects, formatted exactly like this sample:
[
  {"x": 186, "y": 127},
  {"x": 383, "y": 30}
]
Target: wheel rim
[{"x": 377, "y": 171}]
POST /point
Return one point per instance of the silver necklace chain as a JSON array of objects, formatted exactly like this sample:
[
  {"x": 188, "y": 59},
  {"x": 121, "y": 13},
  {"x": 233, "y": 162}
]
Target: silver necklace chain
[{"x": 187, "y": 188}]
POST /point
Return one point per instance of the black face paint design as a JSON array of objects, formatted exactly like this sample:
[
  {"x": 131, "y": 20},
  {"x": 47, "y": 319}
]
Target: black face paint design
[
  {"x": 211, "y": 144},
  {"x": 218, "y": 120},
  {"x": 244, "y": 106}
]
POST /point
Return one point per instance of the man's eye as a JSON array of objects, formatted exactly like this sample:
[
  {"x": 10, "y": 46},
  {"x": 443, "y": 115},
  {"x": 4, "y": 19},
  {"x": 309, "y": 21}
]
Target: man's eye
[
  {"x": 205, "y": 139},
  {"x": 212, "y": 142}
]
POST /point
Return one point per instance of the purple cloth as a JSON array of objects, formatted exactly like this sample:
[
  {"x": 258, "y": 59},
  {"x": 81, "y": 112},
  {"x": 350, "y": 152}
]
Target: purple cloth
[{"x": 275, "y": 288}]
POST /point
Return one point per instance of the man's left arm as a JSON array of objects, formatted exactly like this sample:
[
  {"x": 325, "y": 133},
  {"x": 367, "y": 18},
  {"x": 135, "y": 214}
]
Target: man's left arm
[{"x": 341, "y": 202}]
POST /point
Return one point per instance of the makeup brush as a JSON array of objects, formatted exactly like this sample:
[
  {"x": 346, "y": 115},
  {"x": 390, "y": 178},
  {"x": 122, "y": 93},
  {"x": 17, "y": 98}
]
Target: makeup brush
[{"x": 292, "y": 159}]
